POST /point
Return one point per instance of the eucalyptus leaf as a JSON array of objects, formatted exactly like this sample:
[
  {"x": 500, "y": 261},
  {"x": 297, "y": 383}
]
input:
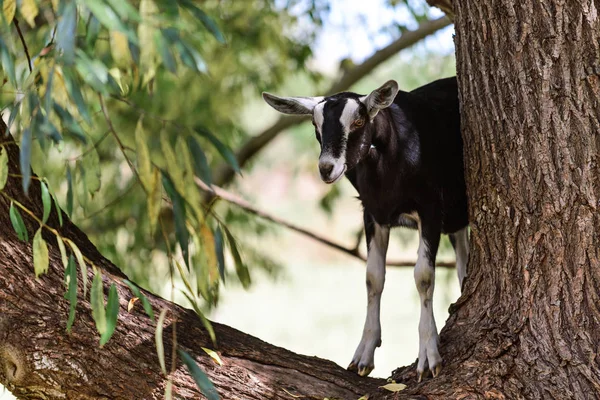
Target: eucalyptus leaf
[
  {"x": 3, "y": 167},
  {"x": 46, "y": 200},
  {"x": 71, "y": 293},
  {"x": 181, "y": 232},
  {"x": 112, "y": 314},
  {"x": 40, "y": 254},
  {"x": 17, "y": 223},
  {"x": 201, "y": 167},
  {"x": 204, "y": 384},
  {"x": 25, "y": 159},
  {"x": 221, "y": 148},
  {"x": 158, "y": 339},
  {"x": 97, "y": 303}
]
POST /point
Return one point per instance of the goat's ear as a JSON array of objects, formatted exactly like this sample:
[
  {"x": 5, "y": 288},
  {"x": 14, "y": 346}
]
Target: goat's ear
[
  {"x": 381, "y": 98},
  {"x": 292, "y": 105}
]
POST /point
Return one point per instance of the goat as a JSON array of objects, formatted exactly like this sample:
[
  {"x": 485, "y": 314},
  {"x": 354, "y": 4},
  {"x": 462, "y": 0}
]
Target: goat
[{"x": 403, "y": 153}]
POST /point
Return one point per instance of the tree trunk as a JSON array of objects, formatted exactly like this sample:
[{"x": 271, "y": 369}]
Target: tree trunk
[
  {"x": 39, "y": 360},
  {"x": 528, "y": 323}
]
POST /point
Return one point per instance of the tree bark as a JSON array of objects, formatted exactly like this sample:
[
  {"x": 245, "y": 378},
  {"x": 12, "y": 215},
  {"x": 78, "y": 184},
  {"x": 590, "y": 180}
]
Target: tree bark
[
  {"x": 39, "y": 360},
  {"x": 528, "y": 323}
]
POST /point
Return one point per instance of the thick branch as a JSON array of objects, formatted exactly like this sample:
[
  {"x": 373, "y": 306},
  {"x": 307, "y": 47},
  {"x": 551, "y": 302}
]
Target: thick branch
[
  {"x": 447, "y": 6},
  {"x": 239, "y": 202},
  {"x": 224, "y": 174},
  {"x": 38, "y": 359}
]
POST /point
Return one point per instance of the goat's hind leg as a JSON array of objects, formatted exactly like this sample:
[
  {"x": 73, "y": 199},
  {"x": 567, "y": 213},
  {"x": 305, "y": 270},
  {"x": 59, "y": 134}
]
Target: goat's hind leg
[
  {"x": 377, "y": 242},
  {"x": 429, "y": 355}
]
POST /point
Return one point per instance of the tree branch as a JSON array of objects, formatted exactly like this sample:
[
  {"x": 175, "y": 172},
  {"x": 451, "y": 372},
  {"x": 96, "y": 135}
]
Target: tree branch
[
  {"x": 224, "y": 173},
  {"x": 446, "y": 6},
  {"x": 24, "y": 44},
  {"x": 239, "y": 202}
]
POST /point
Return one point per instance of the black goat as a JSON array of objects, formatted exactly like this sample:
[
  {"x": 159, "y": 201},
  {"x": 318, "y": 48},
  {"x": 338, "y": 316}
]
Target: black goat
[{"x": 403, "y": 153}]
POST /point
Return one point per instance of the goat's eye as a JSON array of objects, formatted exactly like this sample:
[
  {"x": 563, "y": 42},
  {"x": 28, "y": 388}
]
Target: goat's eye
[{"x": 358, "y": 123}]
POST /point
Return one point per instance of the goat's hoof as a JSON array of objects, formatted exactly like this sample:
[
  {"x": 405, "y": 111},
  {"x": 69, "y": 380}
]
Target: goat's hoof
[
  {"x": 435, "y": 371},
  {"x": 420, "y": 375},
  {"x": 352, "y": 367},
  {"x": 364, "y": 370}
]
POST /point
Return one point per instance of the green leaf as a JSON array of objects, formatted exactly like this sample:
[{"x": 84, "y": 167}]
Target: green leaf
[
  {"x": 172, "y": 163},
  {"x": 203, "y": 319},
  {"x": 25, "y": 159},
  {"x": 9, "y": 8},
  {"x": 201, "y": 167},
  {"x": 93, "y": 175},
  {"x": 17, "y": 223},
  {"x": 143, "y": 155},
  {"x": 165, "y": 52},
  {"x": 221, "y": 148},
  {"x": 158, "y": 339},
  {"x": 204, "y": 384},
  {"x": 109, "y": 18},
  {"x": 219, "y": 251},
  {"x": 63, "y": 250},
  {"x": 240, "y": 268},
  {"x": 69, "y": 192},
  {"x": 154, "y": 199},
  {"x": 3, "y": 167},
  {"x": 138, "y": 293},
  {"x": 97, "y": 302},
  {"x": 7, "y": 62},
  {"x": 58, "y": 211},
  {"x": 69, "y": 124},
  {"x": 181, "y": 232},
  {"x": 146, "y": 29},
  {"x": 71, "y": 293},
  {"x": 112, "y": 314},
  {"x": 40, "y": 254},
  {"x": 208, "y": 22},
  {"x": 75, "y": 92},
  {"x": 66, "y": 31},
  {"x": 46, "y": 201},
  {"x": 125, "y": 10},
  {"x": 82, "y": 264}
]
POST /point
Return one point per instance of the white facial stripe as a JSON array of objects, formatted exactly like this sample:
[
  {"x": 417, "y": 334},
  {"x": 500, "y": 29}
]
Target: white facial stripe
[
  {"x": 318, "y": 116},
  {"x": 349, "y": 114}
]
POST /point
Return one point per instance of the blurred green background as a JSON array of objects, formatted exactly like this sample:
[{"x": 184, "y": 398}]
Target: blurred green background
[{"x": 304, "y": 296}]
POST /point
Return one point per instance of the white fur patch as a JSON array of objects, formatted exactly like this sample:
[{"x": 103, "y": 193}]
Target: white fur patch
[
  {"x": 319, "y": 117},
  {"x": 349, "y": 115}
]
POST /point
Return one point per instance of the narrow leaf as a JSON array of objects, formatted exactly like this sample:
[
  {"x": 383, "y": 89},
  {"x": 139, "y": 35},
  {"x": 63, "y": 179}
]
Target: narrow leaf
[
  {"x": 208, "y": 22},
  {"x": 203, "y": 319},
  {"x": 69, "y": 192},
  {"x": 181, "y": 232},
  {"x": 204, "y": 384},
  {"x": 169, "y": 389},
  {"x": 46, "y": 202},
  {"x": 58, "y": 210},
  {"x": 138, "y": 293},
  {"x": 97, "y": 302},
  {"x": 25, "y": 159},
  {"x": 201, "y": 167},
  {"x": 154, "y": 199},
  {"x": 240, "y": 267},
  {"x": 17, "y": 223},
  {"x": 29, "y": 10},
  {"x": 9, "y": 8},
  {"x": 69, "y": 124},
  {"x": 71, "y": 293},
  {"x": 93, "y": 174},
  {"x": 63, "y": 250},
  {"x": 82, "y": 265},
  {"x": 40, "y": 254},
  {"x": 213, "y": 354},
  {"x": 112, "y": 314},
  {"x": 143, "y": 155},
  {"x": 219, "y": 251},
  {"x": 165, "y": 52},
  {"x": 221, "y": 148},
  {"x": 394, "y": 387},
  {"x": 158, "y": 339},
  {"x": 3, "y": 167}
]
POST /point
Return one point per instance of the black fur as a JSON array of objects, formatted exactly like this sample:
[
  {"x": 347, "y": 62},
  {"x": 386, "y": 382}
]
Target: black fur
[{"x": 417, "y": 163}]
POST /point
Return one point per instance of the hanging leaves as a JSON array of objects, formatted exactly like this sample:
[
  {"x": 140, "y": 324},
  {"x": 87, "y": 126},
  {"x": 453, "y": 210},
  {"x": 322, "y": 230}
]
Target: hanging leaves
[
  {"x": 3, "y": 167},
  {"x": 17, "y": 223},
  {"x": 204, "y": 384},
  {"x": 143, "y": 155},
  {"x": 225, "y": 151},
  {"x": 97, "y": 303},
  {"x": 9, "y": 8},
  {"x": 25, "y": 159},
  {"x": 82, "y": 264},
  {"x": 40, "y": 254},
  {"x": 29, "y": 10},
  {"x": 46, "y": 202},
  {"x": 112, "y": 314},
  {"x": 181, "y": 232},
  {"x": 138, "y": 293},
  {"x": 154, "y": 199},
  {"x": 71, "y": 293}
]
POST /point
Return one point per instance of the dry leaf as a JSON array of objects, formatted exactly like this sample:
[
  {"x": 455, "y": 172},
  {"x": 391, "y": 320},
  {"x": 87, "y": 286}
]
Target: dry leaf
[
  {"x": 131, "y": 303},
  {"x": 213, "y": 355},
  {"x": 394, "y": 387}
]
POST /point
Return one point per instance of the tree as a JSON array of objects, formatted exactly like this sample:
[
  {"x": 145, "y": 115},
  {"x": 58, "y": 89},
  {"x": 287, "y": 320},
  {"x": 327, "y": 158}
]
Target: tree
[{"x": 526, "y": 325}]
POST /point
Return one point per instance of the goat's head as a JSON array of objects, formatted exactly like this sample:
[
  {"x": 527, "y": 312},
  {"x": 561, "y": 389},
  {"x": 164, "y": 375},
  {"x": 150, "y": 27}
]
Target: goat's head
[{"x": 343, "y": 124}]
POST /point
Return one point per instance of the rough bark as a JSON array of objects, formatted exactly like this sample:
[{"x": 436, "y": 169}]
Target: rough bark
[
  {"x": 39, "y": 360},
  {"x": 527, "y": 324}
]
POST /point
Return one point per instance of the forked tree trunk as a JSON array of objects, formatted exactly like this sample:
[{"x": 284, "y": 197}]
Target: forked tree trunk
[{"x": 528, "y": 323}]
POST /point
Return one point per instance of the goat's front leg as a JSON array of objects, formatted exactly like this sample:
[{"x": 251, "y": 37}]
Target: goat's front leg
[
  {"x": 377, "y": 242},
  {"x": 429, "y": 232}
]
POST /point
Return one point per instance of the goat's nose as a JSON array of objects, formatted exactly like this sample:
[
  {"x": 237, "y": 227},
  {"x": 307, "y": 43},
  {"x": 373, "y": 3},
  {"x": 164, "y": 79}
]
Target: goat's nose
[{"x": 325, "y": 167}]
